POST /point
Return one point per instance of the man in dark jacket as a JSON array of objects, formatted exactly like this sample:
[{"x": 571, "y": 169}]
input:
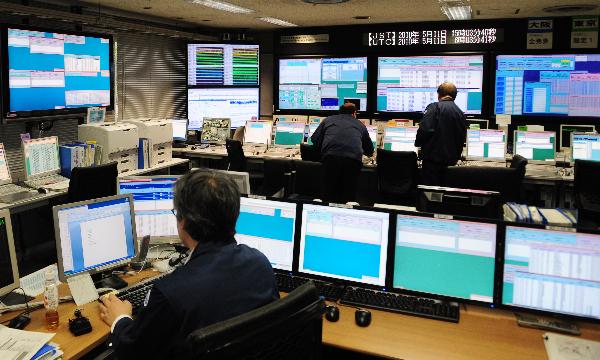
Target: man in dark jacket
[
  {"x": 221, "y": 279},
  {"x": 342, "y": 140},
  {"x": 441, "y": 135}
]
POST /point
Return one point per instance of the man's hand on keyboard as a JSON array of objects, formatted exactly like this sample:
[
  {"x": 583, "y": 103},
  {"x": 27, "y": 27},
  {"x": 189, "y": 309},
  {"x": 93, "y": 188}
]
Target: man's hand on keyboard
[{"x": 111, "y": 308}]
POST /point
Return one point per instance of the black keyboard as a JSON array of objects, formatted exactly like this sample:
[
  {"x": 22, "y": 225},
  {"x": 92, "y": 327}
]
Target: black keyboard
[
  {"x": 136, "y": 294},
  {"x": 287, "y": 283},
  {"x": 404, "y": 304}
]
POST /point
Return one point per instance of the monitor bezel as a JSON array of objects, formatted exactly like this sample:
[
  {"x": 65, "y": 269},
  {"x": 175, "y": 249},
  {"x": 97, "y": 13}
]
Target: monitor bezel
[
  {"x": 12, "y": 257},
  {"x": 215, "y": 142},
  {"x": 479, "y": 122},
  {"x": 482, "y": 158},
  {"x": 55, "y": 211},
  {"x": 49, "y": 112},
  {"x": 538, "y": 162},
  {"x": 562, "y": 134},
  {"x": 501, "y": 257},
  {"x": 24, "y": 157},
  {"x": 9, "y": 180}
]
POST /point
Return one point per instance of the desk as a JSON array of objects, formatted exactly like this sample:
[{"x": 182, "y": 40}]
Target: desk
[{"x": 481, "y": 334}]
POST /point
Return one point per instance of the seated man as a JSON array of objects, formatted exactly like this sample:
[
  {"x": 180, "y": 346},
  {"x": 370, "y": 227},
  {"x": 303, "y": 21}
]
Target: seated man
[{"x": 221, "y": 279}]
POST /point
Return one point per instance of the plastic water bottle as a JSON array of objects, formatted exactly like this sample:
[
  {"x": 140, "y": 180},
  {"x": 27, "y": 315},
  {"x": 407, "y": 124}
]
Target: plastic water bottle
[{"x": 51, "y": 301}]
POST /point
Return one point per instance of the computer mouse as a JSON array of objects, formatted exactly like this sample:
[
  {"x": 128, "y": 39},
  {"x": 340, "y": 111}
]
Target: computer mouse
[
  {"x": 42, "y": 190},
  {"x": 332, "y": 313},
  {"x": 362, "y": 317},
  {"x": 19, "y": 322}
]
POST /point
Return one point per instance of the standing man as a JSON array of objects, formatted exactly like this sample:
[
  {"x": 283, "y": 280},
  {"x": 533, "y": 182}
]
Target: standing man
[
  {"x": 220, "y": 280},
  {"x": 342, "y": 141},
  {"x": 441, "y": 135}
]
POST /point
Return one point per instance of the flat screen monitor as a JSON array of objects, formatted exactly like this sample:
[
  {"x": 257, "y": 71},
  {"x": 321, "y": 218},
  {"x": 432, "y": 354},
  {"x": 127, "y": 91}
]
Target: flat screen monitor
[
  {"x": 5, "y": 177},
  {"x": 400, "y": 138},
  {"x": 478, "y": 123},
  {"x": 289, "y": 133},
  {"x": 346, "y": 244},
  {"x": 95, "y": 235},
  {"x": 586, "y": 146},
  {"x": 451, "y": 258},
  {"x": 258, "y": 132},
  {"x": 153, "y": 206},
  {"x": 409, "y": 84},
  {"x": 223, "y": 64},
  {"x": 55, "y": 71},
  {"x": 238, "y": 104},
  {"x": 535, "y": 146},
  {"x": 9, "y": 275},
  {"x": 268, "y": 226},
  {"x": 41, "y": 156},
  {"x": 180, "y": 127},
  {"x": 315, "y": 119},
  {"x": 215, "y": 130},
  {"x": 486, "y": 144},
  {"x": 552, "y": 271},
  {"x": 567, "y": 129},
  {"x": 559, "y": 85},
  {"x": 322, "y": 83}
]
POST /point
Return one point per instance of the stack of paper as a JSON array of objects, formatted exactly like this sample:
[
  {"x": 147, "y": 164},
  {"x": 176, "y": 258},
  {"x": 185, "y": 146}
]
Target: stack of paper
[
  {"x": 27, "y": 345},
  {"x": 534, "y": 215}
]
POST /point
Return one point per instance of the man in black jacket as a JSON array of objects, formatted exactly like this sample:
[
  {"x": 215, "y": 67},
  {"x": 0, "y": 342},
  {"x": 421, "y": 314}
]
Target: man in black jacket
[
  {"x": 221, "y": 279},
  {"x": 342, "y": 140},
  {"x": 441, "y": 135}
]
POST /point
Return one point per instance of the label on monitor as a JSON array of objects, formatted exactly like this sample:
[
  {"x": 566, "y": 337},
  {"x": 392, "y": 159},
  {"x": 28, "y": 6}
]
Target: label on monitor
[
  {"x": 443, "y": 216},
  {"x": 344, "y": 206},
  {"x": 259, "y": 197},
  {"x": 561, "y": 228}
]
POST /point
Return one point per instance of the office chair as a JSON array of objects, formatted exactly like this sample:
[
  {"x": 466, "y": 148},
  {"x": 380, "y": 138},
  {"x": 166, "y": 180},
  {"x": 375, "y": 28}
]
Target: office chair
[
  {"x": 93, "y": 182},
  {"x": 290, "y": 328},
  {"x": 277, "y": 177},
  {"x": 520, "y": 163},
  {"x": 587, "y": 193},
  {"x": 506, "y": 181},
  {"x": 397, "y": 176},
  {"x": 307, "y": 177},
  {"x": 309, "y": 152},
  {"x": 238, "y": 162},
  {"x": 238, "y": 135}
]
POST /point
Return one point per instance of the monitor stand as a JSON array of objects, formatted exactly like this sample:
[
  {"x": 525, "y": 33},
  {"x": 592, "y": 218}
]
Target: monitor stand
[
  {"x": 108, "y": 281},
  {"x": 15, "y": 298},
  {"x": 537, "y": 322}
]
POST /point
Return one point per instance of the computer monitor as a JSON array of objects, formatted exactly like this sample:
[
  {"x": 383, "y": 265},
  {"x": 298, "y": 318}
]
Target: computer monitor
[
  {"x": 452, "y": 258},
  {"x": 552, "y": 271},
  {"x": 478, "y": 123},
  {"x": 486, "y": 144},
  {"x": 372, "y": 129},
  {"x": 95, "y": 236},
  {"x": 585, "y": 146},
  {"x": 223, "y": 64},
  {"x": 55, "y": 71},
  {"x": 241, "y": 178},
  {"x": 311, "y": 129},
  {"x": 268, "y": 226},
  {"x": 258, "y": 132},
  {"x": 238, "y": 104},
  {"x": 315, "y": 119},
  {"x": 400, "y": 138},
  {"x": 289, "y": 133},
  {"x": 179, "y": 129},
  {"x": 535, "y": 146},
  {"x": 322, "y": 83},
  {"x": 9, "y": 275},
  {"x": 409, "y": 84},
  {"x": 215, "y": 130},
  {"x": 567, "y": 129},
  {"x": 41, "y": 157},
  {"x": 5, "y": 177},
  {"x": 153, "y": 206},
  {"x": 346, "y": 244},
  {"x": 558, "y": 85}
]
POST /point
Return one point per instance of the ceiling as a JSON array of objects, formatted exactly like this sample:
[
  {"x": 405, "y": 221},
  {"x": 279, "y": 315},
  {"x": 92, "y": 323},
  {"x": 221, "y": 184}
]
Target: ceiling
[{"x": 307, "y": 15}]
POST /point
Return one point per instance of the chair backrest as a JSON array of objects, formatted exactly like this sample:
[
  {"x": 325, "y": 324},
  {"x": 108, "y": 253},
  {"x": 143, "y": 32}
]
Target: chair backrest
[
  {"x": 307, "y": 178},
  {"x": 520, "y": 163},
  {"x": 397, "y": 172},
  {"x": 238, "y": 135},
  {"x": 309, "y": 152},
  {"x": 277, "y": 176},
  {"x": 290, "y": 328},
  {"x": 93, "y": 182},
  {"x": 587, "y": 188},
  {"x": 235, "y": 153},
  {"x": 506, "y": 181}
]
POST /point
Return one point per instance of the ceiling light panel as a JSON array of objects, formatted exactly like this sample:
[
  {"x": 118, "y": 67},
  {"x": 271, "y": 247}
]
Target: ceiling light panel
[
  {"x": 275, "y": 21},
  {"x": 223, "y": 6}
]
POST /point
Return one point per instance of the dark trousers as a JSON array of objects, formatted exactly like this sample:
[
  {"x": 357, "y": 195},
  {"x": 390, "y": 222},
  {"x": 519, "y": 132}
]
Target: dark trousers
[
  {"x": 432, "y": 173},
  {"x": 340, "y": 179}
]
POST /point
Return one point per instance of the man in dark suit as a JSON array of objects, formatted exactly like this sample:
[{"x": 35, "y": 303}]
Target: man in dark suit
[
  {"x": 220, "y": 280},
  {"x": 441, "y": 135}
]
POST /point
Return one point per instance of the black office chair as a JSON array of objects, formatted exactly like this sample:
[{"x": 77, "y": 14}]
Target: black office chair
[
  {"x": 93, "y": 182},
  {"x": 587, "y": 193},
  {"x": 290, "y": 328},
  {"x": 277, "y": 177},
  {"x": 520, "y": 163},
  {"x": 309, "y": 152},
  {"x": 235, "y": 153},
  {"x": 397, "y": 176},
  {"x": 307, "y": 177},
  {"x": 506, "y": 181}
]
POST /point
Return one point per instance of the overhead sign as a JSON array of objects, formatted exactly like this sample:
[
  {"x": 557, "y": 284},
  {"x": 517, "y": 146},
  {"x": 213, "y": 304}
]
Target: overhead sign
[
  {"x": 539, "y": 33},
  {"x": 304, "y": 39},
  {"x": 435, "y": 37},
  {"x": 584, "y": 32}
]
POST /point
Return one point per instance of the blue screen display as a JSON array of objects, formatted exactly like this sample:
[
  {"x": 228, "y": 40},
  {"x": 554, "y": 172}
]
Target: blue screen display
[{"x": 49, "y": 71}]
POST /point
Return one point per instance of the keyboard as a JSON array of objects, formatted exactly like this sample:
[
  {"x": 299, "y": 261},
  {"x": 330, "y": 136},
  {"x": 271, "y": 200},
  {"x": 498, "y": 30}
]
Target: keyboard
[
  {"x": 55, "y": 181},
  {"x": 12, "y": 189},
  {"x": 287, "y": 283},
  {"x": 486, "y": 163},
  {"x": 136, "y": 294},
  {"x": 401, "y": 303}
]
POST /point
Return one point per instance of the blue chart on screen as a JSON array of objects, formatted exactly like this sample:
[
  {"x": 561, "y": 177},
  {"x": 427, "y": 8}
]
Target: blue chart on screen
[{"x": 56, "y": 71}]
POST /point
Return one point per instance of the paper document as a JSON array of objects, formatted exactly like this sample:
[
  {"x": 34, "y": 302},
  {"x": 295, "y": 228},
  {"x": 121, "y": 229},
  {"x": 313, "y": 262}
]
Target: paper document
[
  {"x": 34, "y": 283},
  {"x": 561, "y": 347},
  {"x": 20, "y": 344},
  {"x": 83, "y": 289}
]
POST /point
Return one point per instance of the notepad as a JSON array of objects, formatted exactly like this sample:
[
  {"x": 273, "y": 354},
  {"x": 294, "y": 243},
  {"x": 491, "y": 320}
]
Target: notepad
[{"x": 561, "y": 347}]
